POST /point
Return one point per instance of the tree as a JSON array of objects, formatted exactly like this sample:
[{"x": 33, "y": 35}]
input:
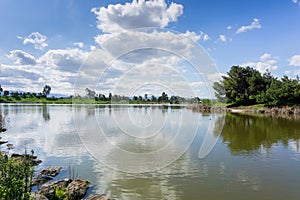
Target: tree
[
  {"x": 6, "y": 93},
  {"x": 283, "y": 92},
  {"x": 90, "y": 94},
  {"x": 174, "y": 100},
  {"x": 163, "y": 98},
  {"x": 46, "y": 90},
  {"x": 220, "y": 91},
  {"x": 240, "y": 86},
  {"x": 15, "y": 177},
  {"x": 1, "y": 89},
  {"x": 153, "y": 98}
]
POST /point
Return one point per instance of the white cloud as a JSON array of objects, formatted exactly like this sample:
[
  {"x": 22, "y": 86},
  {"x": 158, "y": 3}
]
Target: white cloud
[
  {"x": 229, "y": 27},
  {"x": 79, "y": 44},
  {"x": 63, "y": 59},
  {"x": 137, "y": 14},
  {"x": 37, "y": 39},
  {"x": 266, "y": 62},
  {"x": 223, "y": 38},
  {"x": 204, "y": 36},
  {"x": 294, "y": 1},
  {"x": 295, "y": 61},
  {"x": 254, "y": 25},
  {"x": 170, "y": 41},
  {"x": 21, "y": 57}
]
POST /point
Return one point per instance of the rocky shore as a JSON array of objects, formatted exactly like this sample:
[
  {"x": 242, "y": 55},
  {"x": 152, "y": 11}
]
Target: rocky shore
[{"x": 68, "y": 188}]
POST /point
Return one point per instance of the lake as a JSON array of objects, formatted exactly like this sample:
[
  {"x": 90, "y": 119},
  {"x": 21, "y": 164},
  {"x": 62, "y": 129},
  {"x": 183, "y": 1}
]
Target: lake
[{"x": 161, "y": 151}]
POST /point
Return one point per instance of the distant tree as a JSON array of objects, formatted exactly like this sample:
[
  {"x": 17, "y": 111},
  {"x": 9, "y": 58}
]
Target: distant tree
[
  {"x": 174, "y": 100},
  {"x": 102, "y": 97},
  {"x": 140, "y": 99},
  {"x": 6, "y": 93},
  {"x": 1, "y": 89},
  {"x": 163, "y": 98},
  {"x": 146, "y": 97},
  {"x": 109, "y": 96},
  {"x": 90, "y": 94},
  {"x": 46, "y": 90},
  {"x": 153, "y": 98}
]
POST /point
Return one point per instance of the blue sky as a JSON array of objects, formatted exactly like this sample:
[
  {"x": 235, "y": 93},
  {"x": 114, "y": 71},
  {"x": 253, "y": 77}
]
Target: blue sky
[{"x": 46, "y": 42}]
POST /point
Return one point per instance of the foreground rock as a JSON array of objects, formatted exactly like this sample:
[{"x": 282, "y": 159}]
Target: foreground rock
[
  {"x": 75, "y": 189},
  {"x": 22, "y": 157},
  {"x": 3, "y": 142},
  {"x": 45, "y": 175}
]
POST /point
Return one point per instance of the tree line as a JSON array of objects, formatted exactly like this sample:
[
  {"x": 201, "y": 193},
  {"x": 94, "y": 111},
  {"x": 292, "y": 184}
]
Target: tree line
[
  {"x": 17, "y": 95},
  {"x": 247, "y": 86},
  {"x": 91, "y": 96},
  {"x": 163, "y": 98}
]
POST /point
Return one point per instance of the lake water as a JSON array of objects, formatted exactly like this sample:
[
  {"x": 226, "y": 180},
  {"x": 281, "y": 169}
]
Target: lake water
[{"x": 161, "y": 152}]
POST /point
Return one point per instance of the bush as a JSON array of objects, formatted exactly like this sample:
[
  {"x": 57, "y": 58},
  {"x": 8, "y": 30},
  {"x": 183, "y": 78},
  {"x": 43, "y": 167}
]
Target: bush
[{"x": 15, "y": 178}]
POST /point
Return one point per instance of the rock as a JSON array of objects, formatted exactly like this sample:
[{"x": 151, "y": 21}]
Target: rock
[
  {"x": 45, "y": 175},
  {"x": 3, "y": 142},
  {"x": 48, "y": 190},
  {"x": 2, "y": 130},
  {"x": 77, "y": 188},
  {"x": 51, "y": 171},
  {"x": 40, "y": 179},
  {"x": 15, "y": 155},
  {"x": 10, "y": 146},
  {"x": 97, "y": 197},
  {"x": 36, "y": 196},
  {"x": 21, "y": 157}
]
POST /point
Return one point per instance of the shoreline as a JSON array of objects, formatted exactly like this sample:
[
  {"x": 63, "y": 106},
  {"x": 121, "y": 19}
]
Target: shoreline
[{"x": 284, "y": 111}]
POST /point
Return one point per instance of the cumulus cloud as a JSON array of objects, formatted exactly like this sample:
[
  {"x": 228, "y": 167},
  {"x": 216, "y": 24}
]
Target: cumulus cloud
[
  {"x": 254, "y": 25},
  {"x": 138, "y": 13},
  {"x": 294, "y": 1},
  {"x": 169, "y": 41},
  {"x": 295, "y": 61},
  {"x": 63, "y": 59},
  {"x": 229, "y": 27},
  {"x": 22, "y": 57},
  {"x": 35, "y": 38},
  {"x": 156, "y": 57},
  {"x": 79, "y": 44},
  {"x": 223, "y": 38},
  {"x": 266, "y": 62}
]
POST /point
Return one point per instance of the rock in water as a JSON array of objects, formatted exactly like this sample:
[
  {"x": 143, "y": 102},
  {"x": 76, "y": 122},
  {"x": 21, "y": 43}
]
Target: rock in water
[
  {"x": 48, "y": 190},
  {"x": 21, "y": 157},
  {"x": 45, "y": 175},
  {"x": 77, "y": 188},
  {"x": 3, "y": 142}
]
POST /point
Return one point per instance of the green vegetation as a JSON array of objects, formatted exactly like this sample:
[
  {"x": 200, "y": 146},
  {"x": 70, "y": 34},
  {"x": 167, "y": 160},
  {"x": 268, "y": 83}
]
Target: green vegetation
[
  {"x": 90, "y": 97},
  {"x": 15, "y": 178},
  {"x": 247, "y": 86}
]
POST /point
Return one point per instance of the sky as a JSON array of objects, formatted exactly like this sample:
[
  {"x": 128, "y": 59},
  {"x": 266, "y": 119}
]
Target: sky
[{"x": 143, "y": 46}]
